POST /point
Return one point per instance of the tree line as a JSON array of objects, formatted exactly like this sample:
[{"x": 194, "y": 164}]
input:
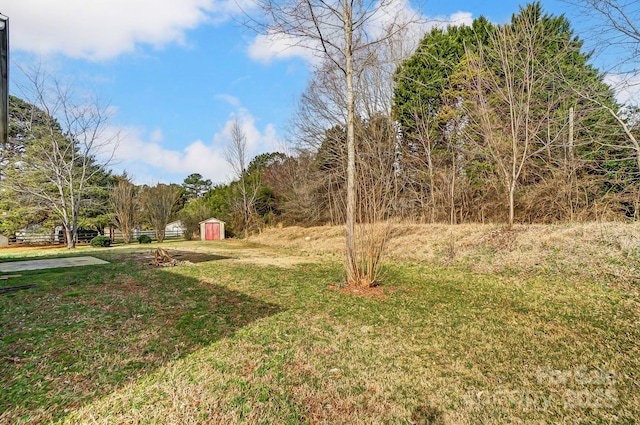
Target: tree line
[
  {"x": 53, "y": 174},
  {"x": 503, "y": 123},
  {"x": 484, "y": 123}
]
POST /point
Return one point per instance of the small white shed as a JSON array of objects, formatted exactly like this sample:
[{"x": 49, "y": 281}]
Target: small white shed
[
  {"x": 212, "y": 230},
  {"x": 175, "y": 228}
]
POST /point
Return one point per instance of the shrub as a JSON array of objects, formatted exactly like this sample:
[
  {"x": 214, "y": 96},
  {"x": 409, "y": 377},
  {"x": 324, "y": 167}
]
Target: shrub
[
  {"x": 144, "y": 239},
  {"x": 101, "y": 241}
]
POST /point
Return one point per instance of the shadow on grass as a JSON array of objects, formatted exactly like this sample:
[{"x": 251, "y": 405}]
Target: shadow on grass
[
  {"x": 135, "y": 254},
  {"x": 35, "y": 255},
  {"x": 62, "y": 346},
  {"x": 115, "y": 252},
  {"x": 195, "y": 257},
  {"x": 52, "y": 253},
  {"x": 146, "y": 254}
]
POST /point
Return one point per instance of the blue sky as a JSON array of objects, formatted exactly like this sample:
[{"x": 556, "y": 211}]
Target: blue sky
[{"x": 177, "y": 73}]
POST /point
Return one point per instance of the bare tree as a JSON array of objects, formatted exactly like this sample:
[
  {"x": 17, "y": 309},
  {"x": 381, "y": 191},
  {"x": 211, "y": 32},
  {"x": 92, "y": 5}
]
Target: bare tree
[
  {"x": 616, "y": 23},
  {"x": 157, "y": 205},
  {"x": 125, "y": 205},
  {"x": 510, "y": 111},
  {"x": 344, "y": 34},
  {"x": 237, "y": 156},
  {"x": 298, "y": 189},
  {"x": 419, "y": 162},
  {"x": 57, "y": 167},
  {"x": 506, "y": 133},
  {"x": 615, "y": 28},
  {"x": 377, "y": 192}
]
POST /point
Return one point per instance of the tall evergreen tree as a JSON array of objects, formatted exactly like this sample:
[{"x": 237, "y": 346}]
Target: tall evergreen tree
[
  {"x": 531, "y": 69},
  {"x": 429, "y": 145}
]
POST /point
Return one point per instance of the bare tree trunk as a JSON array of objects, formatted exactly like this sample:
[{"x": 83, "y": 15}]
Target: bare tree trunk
[
  {"x": 343, "y": 34},
  {"x": 245, "y": 205},
  {"x": 452, "y": 193},
  {"x": 70, "y": 238},
  {"x": 571, "y": 167},
  {"x": 237, "y": 156},
  {"x": 351, "y": 259},
  {"x": 432, "y": 184},
  {"x": 512, "y": 205}
]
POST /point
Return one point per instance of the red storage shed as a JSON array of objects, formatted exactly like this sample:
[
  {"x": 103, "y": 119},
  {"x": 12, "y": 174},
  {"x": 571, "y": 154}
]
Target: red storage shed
[{"x": 212, "y": 230}]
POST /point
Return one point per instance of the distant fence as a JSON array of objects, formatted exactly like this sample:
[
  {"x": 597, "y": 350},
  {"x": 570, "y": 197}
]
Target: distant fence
[
  {"x": 82, "y": 237},
  {"x": 170, "y": 234}
]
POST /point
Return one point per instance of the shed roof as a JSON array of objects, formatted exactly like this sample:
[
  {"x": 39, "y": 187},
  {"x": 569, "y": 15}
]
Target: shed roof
[{"x": 212, "y": 219}]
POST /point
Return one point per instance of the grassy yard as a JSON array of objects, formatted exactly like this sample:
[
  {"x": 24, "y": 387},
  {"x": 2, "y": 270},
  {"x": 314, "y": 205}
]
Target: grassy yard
[{"x": 232, "y": 340}]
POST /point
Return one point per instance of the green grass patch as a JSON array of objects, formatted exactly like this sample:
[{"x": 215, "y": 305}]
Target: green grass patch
[{"x": 230, "y": 342}]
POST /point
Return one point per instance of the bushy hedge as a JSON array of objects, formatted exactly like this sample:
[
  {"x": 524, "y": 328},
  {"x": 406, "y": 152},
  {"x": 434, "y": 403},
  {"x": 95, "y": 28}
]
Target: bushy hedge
[
  {"x": 101, "y": 241},
  {"x": 144, "y": 239}
]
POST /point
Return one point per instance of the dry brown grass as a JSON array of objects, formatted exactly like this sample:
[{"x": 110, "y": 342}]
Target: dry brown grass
[{"x": 597, "y": 250}]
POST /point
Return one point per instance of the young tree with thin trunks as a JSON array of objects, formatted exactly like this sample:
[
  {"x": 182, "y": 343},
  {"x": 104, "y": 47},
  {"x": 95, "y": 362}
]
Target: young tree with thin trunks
[
  {"x": 157, "y": 206},
  {"x": 427, "y": 107},
  {"x": 503, "y": 101},
  {"x": 520, "y": 106},
  {"x": 237, "y": 155},
  {"x": 125, "y": 205},
  {"x": 345, "y": 34}
]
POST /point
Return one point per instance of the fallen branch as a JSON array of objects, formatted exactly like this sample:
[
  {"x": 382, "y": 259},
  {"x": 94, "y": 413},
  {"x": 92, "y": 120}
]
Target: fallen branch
[{"x": 17, "y": 288}]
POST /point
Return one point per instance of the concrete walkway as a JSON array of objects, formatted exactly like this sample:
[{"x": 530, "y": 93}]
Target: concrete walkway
[{"x": 54, "y": 263}]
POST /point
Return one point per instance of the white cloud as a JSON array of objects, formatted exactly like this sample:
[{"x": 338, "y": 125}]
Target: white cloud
[
  {"x": 156, "y": 136},
  {"x": 100, "y": 30},
  {"x": 223, "y": 10},
  {"x": 143, "y": 156},
  {"x": 257, "y": 141},
  {"x": 457, "y": 19},
  {"x": 626, "y": 87},
  {"x": 231, "y": 100},
  {"x": 268, "y": 47}
]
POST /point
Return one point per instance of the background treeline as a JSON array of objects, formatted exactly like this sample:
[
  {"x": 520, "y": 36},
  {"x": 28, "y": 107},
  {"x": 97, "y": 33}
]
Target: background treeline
[{"x": 484, "y": 123}]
